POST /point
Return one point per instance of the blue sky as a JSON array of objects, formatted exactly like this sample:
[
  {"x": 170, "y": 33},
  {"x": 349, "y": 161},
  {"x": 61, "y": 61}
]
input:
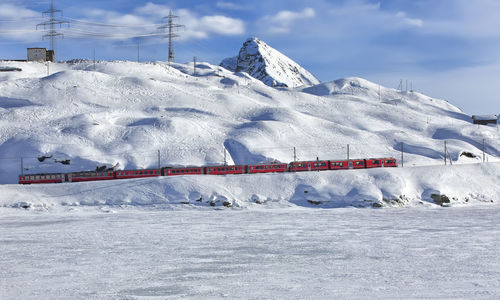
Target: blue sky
[{"x": 447, "y": 49}]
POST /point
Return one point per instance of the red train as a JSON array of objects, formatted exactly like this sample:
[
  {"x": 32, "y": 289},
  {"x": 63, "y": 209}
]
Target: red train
[{"x": 299, "y": 166}]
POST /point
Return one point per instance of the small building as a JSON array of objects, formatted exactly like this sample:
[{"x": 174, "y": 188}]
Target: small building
[
  {"x": 40, "y": 54},
  {"x": 485, "y": 119}
]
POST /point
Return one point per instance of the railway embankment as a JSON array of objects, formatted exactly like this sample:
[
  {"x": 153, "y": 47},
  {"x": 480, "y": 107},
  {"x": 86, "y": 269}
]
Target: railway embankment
[{"x": 430, "y": 186}]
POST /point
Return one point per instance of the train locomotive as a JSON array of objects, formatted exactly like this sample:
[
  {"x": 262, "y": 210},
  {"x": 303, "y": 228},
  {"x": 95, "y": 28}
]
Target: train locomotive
[{"x": 297, "y": 166}]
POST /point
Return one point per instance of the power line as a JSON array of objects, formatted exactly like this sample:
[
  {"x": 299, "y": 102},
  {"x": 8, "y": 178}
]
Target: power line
[{"x": 110, "y": 25}]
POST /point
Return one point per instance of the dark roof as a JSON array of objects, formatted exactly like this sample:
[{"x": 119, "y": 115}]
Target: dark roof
[{"x": 485, "y": 117}]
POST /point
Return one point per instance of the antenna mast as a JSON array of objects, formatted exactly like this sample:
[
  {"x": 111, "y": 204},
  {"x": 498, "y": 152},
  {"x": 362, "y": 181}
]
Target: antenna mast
[
  {"x": 52, "y": 22},
  {"x": 171, "y": 34}
]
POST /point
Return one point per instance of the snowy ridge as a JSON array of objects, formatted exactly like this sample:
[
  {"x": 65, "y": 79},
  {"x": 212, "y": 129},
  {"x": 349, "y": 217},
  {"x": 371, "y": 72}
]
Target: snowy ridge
[{"x": 268, "y": 65}]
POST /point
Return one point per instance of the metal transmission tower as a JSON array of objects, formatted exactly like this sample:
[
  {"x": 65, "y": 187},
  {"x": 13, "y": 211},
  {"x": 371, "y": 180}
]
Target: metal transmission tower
[
  {"x": 171, "y": 34},
  {"x": 52, "y": 22}
]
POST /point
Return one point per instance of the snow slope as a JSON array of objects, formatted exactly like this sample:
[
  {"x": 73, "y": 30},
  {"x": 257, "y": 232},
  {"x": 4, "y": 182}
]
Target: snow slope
[{"x": 127, "y": 113}]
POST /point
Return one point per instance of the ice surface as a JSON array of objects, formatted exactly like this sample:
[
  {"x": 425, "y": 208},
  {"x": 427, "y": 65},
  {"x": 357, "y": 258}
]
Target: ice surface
[{"x": 294, "y": 253}]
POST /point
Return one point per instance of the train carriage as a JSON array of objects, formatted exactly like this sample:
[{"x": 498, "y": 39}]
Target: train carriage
[
  {"x": 89, "y": 176},
  {"x": 373, "y": 163},
  {"x": 316, "y": 165},
  {"x": 389, "y": 162},
  {"x": 41, "y": 178},
  {"x": 338, "y": 164},
  {"x": 127, "y": 174},
  {"x": 223, "y": 170},
  {"x": 267, "y": 168},
  {"x": 182, "y": 171},
  {"x": 357, "y": 164}
]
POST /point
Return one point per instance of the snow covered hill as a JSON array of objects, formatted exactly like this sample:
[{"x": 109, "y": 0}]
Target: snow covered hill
[
  {"x": 268, "y": 65},
  {"x": 127, "y": 113}
]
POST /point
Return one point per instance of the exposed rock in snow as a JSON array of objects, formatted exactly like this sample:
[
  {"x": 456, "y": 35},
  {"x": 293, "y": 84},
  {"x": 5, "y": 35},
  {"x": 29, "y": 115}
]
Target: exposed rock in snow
[
  {"x": 230, "y": 63},
  {"x": 268, "y": 65}
]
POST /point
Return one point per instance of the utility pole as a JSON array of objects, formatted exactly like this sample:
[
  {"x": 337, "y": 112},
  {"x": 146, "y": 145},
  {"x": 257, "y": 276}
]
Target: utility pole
[
  {"x": 94, "y": 59},
  {"x": 137, "y": 50},
  {"x": 445, "y": 151},
  {"x": 194, "y": 66},
  {"x": 483, "y": 151},
  {"x": 402, "y": 154},
  {"x": 22, "y": 167},
  {"x": 347, "y": 152},
  {"x": 159, "y": 165},
  {"x": 171, "y": 34},
  {"x": 225, "y": 161},
  {"x": 52, "y": 22},
  {"x": 294, "y": 159}
]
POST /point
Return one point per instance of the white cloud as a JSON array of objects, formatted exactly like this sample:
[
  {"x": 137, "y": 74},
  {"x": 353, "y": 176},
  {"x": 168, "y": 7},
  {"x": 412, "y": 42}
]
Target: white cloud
[
  {"x": 409, "y": 21},
  {"x": 360, "y": 14},
  {"x": 231, "y": 6},
  {"x": 222, "y": 25},
  {"x": 284, "y": 20},
  {"x": 17, "y": 12},
  {"x": 19, "y": 23},
  {"x": 151, "y": 9}
]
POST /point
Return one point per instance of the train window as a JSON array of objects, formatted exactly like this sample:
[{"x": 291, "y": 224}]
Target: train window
[{"x": 377, "y": 162}]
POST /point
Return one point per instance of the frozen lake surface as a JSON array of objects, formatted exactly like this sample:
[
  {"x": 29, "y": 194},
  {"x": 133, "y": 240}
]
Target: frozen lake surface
[{"x": 291, "y": 253}]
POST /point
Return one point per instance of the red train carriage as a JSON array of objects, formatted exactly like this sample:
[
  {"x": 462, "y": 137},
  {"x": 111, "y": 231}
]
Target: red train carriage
[
  {"x": 357, "y": 164},
  {"x": 182, "y": 171},
  {"x": 373, "y": 163},
  {"x": 267, "y": 168},
  {"x": 308, "y": 165},
  {"x": 389, "y": 162},
  {"x": 223, "y": 170},
  {"x": 127, "y": 174},
  {"x": 41, "y": 178},
  {"x": 338, "y": 164},
  {"x": 89, "y": 176}
]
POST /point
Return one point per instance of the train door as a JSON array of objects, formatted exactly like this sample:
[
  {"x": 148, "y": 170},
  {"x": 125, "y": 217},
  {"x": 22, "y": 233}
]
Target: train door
[{"x": 350, "y": 165}]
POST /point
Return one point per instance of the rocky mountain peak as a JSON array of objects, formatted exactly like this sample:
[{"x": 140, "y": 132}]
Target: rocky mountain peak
[{"x": 268, "y": 65}]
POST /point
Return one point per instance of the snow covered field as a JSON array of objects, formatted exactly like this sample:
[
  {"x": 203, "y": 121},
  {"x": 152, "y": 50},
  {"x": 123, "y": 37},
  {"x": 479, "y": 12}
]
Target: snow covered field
[{"x": 292, "y": 253}]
